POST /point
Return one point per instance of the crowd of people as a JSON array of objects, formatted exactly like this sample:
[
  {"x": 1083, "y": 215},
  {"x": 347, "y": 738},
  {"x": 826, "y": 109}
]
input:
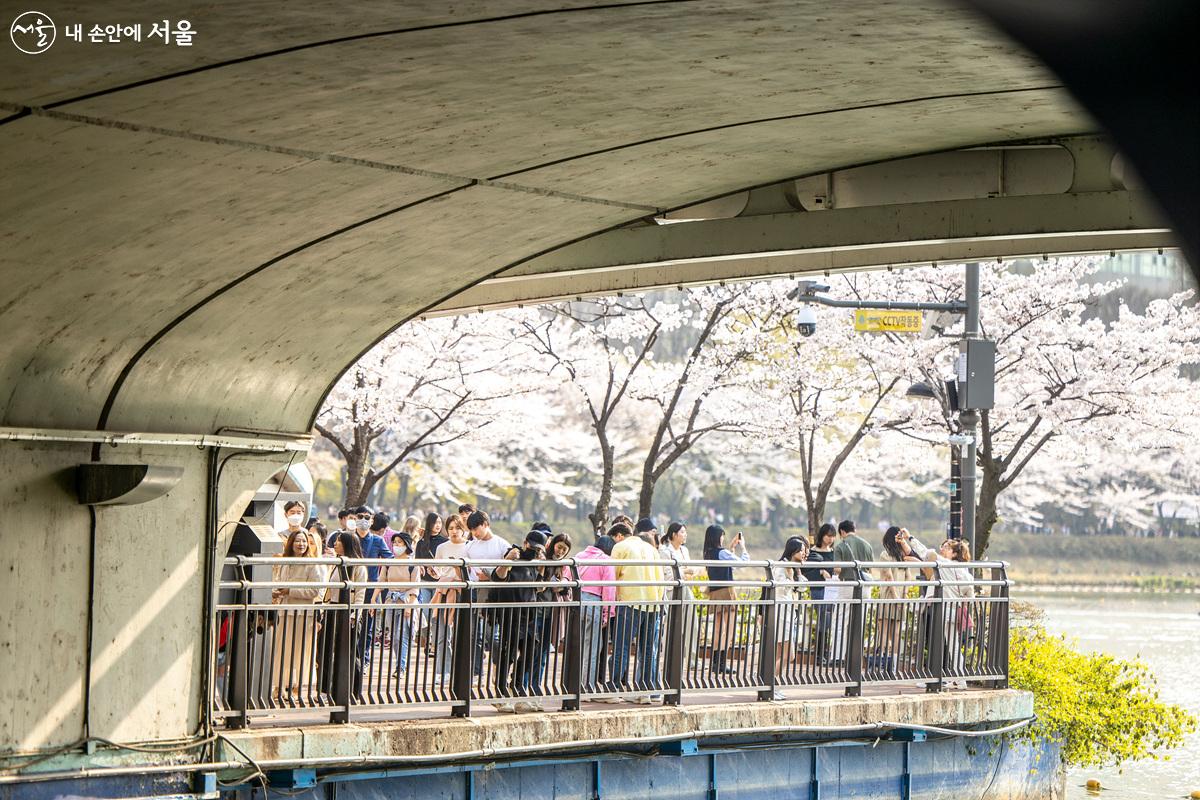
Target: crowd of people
[{"x": 622, "y": 587}]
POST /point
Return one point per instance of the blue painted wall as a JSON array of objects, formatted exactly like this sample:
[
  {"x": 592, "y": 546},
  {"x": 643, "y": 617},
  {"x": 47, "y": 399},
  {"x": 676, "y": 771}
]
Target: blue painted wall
[{"x": 946, "y": 769}]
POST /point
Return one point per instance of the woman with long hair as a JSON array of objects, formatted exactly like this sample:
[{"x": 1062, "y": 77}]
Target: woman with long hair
[
  {"x": 347, "y": 545},
  {"x": 889, "y": 619},
  {"x": 558, "y": 549},
  {"x": 723, "y": 611},
  {"x": 433, "y": 524},
  {"x": 958, "y": 623},
  {"x": 788, "y": 614},
  {"x": 426, "y": 546},
  {"x": 441, "y": 620},
  {"x": 673, "y": 547},
  {"x": 295, "y": 632},
  {"x": 401, "y": 620},
  {"x": 822, "y": 550}
]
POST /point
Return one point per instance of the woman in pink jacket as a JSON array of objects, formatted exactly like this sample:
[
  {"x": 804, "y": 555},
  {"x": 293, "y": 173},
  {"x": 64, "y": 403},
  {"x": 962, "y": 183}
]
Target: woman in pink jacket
[{"x": 597, "y": 604}]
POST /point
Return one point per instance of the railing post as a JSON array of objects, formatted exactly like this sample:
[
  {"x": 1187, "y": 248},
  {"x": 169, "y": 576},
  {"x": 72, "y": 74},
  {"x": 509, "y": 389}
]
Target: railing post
[
  {"x": 854, "y": 643},
  {"x": 673, "y": 668},
  {"x": 463, "y": 664},
  {"x": 239, "y": 662},
  {"x": 937, "y": 644},
  {"x": 573, "y": 671},
  {"x": 343, "y": 658},
  {"x": 769, "y": 639},
  {"x": 998, "y": 638}
]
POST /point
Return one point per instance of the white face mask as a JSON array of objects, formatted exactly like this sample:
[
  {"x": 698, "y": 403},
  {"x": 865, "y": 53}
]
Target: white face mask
[
  {"x": 364, "y": 524},
  {"x": 295, "y": 519}
]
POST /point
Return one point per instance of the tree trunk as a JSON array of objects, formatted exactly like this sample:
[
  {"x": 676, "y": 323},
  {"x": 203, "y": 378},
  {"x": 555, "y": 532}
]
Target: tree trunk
[
  {"x": 646, "y": 494},
  {"x": 355, "y": 478},
  {"x": 402, "y": 492},
  {"x": 599, "y": 517},
  {"x": 985, "y": 513},
  {"x": 816, "y": 514}
]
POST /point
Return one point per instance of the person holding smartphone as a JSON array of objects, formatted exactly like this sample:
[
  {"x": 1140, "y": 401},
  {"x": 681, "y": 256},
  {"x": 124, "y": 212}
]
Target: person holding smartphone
[{"x": 723, "y": 611}]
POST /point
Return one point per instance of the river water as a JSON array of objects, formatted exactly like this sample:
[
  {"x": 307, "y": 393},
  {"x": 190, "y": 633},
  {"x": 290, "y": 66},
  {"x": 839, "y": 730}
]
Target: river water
[{"x": 1164, "y": 630}]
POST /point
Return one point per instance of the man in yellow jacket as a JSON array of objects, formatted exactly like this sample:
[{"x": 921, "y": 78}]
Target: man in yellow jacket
[{"x": 639, "y": 615}]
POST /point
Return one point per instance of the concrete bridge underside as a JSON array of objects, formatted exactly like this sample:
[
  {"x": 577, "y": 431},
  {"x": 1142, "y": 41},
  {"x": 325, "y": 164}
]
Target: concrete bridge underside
[{"x": 198, "y": 240}]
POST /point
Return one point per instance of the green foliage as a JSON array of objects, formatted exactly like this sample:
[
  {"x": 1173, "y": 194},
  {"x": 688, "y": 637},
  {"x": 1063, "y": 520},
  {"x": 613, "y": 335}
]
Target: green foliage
[{"x": 1102, "y": 709}]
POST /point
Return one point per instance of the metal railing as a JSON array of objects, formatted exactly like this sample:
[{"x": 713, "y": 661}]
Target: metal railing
[{"x": 316, "y": 638}]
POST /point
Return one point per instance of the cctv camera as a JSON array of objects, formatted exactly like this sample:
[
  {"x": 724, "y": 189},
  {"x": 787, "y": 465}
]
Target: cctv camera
[{"x": 806, "y": 321}]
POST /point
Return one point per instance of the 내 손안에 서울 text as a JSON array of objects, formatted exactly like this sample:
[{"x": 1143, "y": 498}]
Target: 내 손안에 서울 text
[{"x": 34, "y": 32}]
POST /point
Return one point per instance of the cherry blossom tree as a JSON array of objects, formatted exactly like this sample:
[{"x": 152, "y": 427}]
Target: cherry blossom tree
[
  {"x": 598, "y": 346},
  {"x": 606, "y": 351},
  {"x": 681, "y": 394},
  {"x": 1061, "y": 372},
  {"x": 818, "y": 397},
  {"x": 430, "y": 384}
]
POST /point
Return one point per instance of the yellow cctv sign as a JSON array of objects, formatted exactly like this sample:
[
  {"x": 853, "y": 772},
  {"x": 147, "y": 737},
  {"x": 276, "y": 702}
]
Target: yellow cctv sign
[{"x": 897, "y": 321}]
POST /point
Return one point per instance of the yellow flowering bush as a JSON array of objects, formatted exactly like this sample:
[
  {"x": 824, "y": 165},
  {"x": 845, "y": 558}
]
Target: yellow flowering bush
[{"x": 1103, "y": 710}]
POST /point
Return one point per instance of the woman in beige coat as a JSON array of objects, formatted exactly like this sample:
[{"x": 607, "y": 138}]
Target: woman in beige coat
[{"x": 295, "y": 633}]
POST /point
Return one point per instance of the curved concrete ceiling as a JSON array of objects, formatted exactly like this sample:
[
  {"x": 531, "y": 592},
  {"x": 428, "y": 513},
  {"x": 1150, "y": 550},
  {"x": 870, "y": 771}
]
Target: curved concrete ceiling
[{"x": 203, "y": 238}]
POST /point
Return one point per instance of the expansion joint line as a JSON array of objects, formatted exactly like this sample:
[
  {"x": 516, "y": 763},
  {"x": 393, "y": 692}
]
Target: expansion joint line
[{"x": 317, "y": 155}]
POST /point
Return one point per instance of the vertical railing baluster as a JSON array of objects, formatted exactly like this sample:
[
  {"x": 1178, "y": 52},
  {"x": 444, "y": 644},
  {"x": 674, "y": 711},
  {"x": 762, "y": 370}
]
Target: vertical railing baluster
[
  {"x": 937, "y": 647},
  {"x": 463, "y": 660},
  {"x": 238, "y": 654},
  {"x": 768, "y": 641},
  {"x": 998, "y": 644},
  {"x": 343, "y": 657},
  {"x": 573, "y": 666},
  {"x": 854, "y": 637},
  {"x": 673, "y": 663}
]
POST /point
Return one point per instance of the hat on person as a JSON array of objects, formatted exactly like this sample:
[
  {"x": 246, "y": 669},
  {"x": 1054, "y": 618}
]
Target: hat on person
[
  {"x": 645, "y": 525},
  {"x": 543, "y": 527},
  {"x": 404, "y": 537}
]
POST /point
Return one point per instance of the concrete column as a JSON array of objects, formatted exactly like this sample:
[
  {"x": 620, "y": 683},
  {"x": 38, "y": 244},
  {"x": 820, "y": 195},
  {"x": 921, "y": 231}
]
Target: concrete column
[{"x": 137, "y": 675}]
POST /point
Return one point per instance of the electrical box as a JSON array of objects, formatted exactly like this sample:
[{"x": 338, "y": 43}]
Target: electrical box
[{"x": 976, "y": 374}]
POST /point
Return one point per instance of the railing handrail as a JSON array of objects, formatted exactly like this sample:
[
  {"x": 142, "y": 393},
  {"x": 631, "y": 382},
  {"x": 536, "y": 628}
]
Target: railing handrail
[
  {"x": 660, "y": 562},
  {"x": 955, "y": 602}
]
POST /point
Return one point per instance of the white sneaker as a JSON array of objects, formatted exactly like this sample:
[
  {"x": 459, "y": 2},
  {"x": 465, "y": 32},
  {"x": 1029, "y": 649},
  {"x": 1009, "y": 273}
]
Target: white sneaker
[
  {"x": 504, "y": 708},
  {"x": 527, "y": 706},
  {"x": 644, "y": 700},
  {"x": 778, "y": 695}
]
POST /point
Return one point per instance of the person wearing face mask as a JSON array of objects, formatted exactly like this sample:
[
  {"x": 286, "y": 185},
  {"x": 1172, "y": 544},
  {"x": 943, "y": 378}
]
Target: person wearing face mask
[
  {"x": 373, "y": 546},
  {"x": 402, "y": 619},
  {"x": 295, "y": 513},
  {"x": 295, "y": 631}
]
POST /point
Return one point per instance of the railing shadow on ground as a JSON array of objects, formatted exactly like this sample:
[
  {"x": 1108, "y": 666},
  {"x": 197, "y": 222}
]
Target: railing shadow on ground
[{"x": 357, "y": 646}]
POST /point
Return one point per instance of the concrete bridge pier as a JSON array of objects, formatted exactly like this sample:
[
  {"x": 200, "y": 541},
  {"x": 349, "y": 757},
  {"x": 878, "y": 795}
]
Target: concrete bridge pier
[{"x": 104, "y": 624}]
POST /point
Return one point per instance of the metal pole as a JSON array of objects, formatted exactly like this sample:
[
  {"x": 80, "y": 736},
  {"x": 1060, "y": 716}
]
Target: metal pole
[{"x": 969, "y": 418}]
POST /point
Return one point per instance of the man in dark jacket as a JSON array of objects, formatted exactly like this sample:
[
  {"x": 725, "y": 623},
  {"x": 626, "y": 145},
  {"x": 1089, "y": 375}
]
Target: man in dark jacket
[{"x": 524, "y": 630}]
